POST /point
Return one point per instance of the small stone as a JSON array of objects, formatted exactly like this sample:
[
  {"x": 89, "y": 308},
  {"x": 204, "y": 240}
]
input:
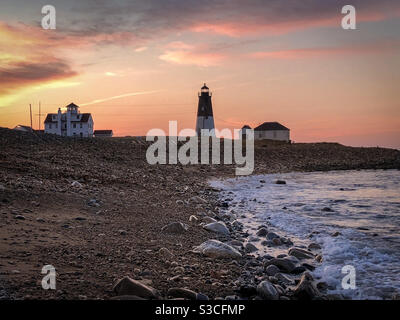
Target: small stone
[
  {"x": 284, "y": 279},
  {"x": 19, "y": 217},
  {"x": 298, "y": 270},
  {"x": 217, "y": 227},
  {"x": 80, "y": 218},
  {"x": 327, "y": 209},
  {"x": 262, "y": 232},
  {"x": 335, "y": 234},
  {"x": 300, "y": 253},
  {"x": 306, "y": 290},
  {"x": 193, "y": 219},
  {"x": 247, "y": 290},
  {"x": 164, "y": 252},
  {"x": 314, "y": 246},
  {"x": 280, "y": 182},
  {"x": 128, "y": 286},
  {"x": 267, "y": 291},
  {"x": 277, "y": 241},
  {"x": 283, "y": 264},
  {"x": 201, "y": 296},
  {"x": 182, "y": 293},
  {"x": 271, "y": 270},
  {"x": 122, "y": 232},
  {"x": 217, "y": 249},
  {"x": 272, "y": 235},
  {"x": 175, "y": 227},
  {"x": 76, "y": 184},
  {"x": 249, "y": 247}
]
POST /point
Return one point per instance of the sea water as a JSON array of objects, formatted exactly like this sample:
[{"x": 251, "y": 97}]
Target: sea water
[{"x": 364, "y": 208}]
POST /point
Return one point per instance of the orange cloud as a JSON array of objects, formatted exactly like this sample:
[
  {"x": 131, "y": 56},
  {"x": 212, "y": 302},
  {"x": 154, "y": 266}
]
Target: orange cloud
[
  {"x": 186, "y": 54},
  {"x": 245, "y": 27}
]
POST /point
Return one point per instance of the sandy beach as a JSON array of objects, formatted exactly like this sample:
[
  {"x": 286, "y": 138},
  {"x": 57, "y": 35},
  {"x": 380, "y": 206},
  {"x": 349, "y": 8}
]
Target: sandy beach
[{"x": 97, "y": 212}]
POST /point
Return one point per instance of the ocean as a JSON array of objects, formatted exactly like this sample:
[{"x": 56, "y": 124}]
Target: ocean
[{"x": 363, "y": 207}]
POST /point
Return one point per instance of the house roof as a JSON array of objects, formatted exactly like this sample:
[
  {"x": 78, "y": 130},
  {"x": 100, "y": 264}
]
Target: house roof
[
  {"x": 72, "y": 105},
  {"x": 85, "y": 118},
  {"x": 102, "y": 132},
  {"x": 49, "y": 118},
  {"x": 246, "y": 127},
  {"x": 270, "y": 126},
  {"x": 23, "y": 128}
]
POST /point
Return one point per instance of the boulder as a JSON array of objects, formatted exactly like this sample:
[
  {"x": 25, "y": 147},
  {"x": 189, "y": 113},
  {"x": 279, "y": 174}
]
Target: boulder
[
  {"x": 284, "y": 279},
  {"x": 249, "y": 247},
  {"x": 306, "y": 290},
  {"x": 129, "y": 287},
  {"x": 209, "y": 220},
  {"x": 217, "y": 227},
  {"x": 182, "y": 293},
  {"x": 272, "y": 235},
  {"x": 284, "y": 264},
  {"x": 175, "y": 227},
  {"x": 271, "y": 270},
  {"x": 300, "y": 253},
  {"x": 267, "y": 291},
  {"x": 314, "y": 246},
  {"x": 217, "y": 249}
]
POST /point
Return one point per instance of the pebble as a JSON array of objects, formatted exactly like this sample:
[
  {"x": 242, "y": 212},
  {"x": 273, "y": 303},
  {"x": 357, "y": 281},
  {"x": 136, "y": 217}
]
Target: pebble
[{"x": 175, "y": 227}]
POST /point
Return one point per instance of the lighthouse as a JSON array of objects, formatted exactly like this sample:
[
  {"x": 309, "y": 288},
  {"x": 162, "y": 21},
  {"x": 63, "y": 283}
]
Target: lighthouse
[{"x": 205, "y": 119}]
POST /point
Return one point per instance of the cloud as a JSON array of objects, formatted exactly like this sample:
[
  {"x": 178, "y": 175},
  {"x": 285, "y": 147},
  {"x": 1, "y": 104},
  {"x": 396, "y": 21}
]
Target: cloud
[
  {"x": 187, "y": 54},
  {"x": 153, "y": 19},
  {"x": 22, "y": 74},
  {"x": 303, "y": 53},
  {"x": 130, "y": 94}
]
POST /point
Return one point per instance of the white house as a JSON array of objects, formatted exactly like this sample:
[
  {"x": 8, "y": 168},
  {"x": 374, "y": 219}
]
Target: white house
[
  {"x": 269, "y": 130},
  {"x": 71, "y": 123}
]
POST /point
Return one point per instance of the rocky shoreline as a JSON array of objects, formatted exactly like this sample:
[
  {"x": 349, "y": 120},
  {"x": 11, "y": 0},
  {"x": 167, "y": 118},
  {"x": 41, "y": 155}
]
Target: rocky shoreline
[
  {"x": 76, "y": 204},
  {"x": 263, "y": 277}
]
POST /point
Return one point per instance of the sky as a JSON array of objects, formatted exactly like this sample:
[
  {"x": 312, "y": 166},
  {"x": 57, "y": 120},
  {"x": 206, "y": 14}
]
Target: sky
[{"x": 135, "y": 65}]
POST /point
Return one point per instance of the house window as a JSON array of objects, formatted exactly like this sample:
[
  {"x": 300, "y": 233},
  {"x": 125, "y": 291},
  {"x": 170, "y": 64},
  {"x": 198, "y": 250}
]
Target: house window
[
  {"x": 74, "y": 125},
  {"x": 81, "y": 125},
  {"x": 50, "y": 126}
]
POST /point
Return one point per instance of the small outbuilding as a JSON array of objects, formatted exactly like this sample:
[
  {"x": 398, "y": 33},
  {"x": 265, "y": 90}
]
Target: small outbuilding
[
  {"x": 268, "y": 130},
  {"x": 103, "y": 133}
]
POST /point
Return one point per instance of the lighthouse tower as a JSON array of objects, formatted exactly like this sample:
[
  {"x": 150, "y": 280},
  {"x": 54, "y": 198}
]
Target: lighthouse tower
[{"x": 205, "y": 119}]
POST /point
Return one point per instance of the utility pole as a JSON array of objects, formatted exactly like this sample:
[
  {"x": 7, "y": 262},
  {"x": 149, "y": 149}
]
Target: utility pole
[
  {"x": 30, "y": 109},
  {"x": 40, "y": 115}
]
